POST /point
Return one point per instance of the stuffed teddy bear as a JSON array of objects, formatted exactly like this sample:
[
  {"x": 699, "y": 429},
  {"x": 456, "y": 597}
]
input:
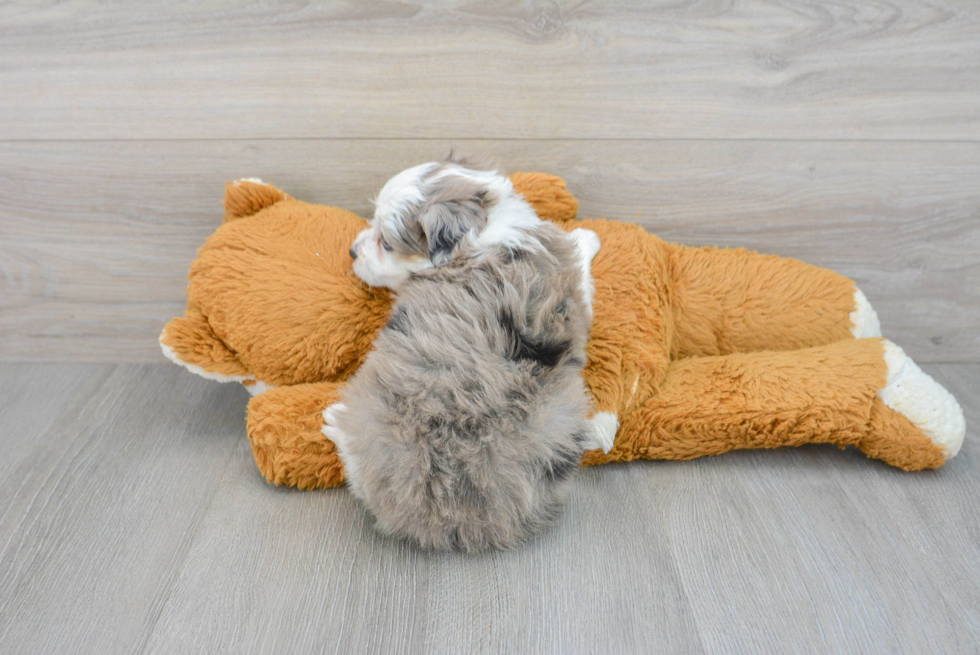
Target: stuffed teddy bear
[{"x": 693, "y": 351}]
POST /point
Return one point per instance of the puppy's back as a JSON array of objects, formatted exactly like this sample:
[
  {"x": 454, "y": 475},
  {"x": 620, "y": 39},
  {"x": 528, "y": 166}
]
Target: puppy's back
[{"x": 468, "y": 418}]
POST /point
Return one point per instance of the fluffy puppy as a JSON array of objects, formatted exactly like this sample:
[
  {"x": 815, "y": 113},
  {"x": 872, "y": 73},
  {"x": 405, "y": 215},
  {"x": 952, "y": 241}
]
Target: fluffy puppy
[{"x": 466, "y": 421}]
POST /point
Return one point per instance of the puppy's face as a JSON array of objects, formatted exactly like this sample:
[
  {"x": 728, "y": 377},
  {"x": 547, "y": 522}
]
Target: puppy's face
[{"x": 421, "y": 216}]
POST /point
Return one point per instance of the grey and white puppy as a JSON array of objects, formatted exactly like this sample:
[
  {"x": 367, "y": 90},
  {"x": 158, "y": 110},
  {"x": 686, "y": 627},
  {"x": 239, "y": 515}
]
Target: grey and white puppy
[{"x": 466, "y": 421}]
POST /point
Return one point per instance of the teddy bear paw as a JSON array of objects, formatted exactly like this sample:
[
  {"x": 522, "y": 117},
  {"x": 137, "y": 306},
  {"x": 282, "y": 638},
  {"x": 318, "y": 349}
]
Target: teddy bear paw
[
  {"x": 864, "y": 319},
  {"x": 926, "y": 403}
]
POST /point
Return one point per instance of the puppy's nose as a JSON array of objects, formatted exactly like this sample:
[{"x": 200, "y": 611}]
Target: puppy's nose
[{"x": 353, "y": 253}]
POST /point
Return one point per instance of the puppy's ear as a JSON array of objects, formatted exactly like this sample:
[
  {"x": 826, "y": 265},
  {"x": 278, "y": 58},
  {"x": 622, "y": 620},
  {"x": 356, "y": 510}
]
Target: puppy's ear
[{"x": 445, "y": 224}]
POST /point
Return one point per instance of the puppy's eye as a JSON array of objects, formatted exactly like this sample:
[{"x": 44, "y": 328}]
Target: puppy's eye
[{"x": 386, "y": 245}]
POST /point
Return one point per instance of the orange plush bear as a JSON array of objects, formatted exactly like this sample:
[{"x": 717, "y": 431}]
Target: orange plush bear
[{"x": 693, "y": 351}]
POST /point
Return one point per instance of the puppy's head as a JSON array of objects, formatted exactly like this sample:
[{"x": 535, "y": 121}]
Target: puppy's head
[{"x": 422, "y": 215}]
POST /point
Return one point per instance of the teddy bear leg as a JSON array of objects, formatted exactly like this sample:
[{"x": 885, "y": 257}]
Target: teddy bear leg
[
  {"x": 733, "y": 300},
  {"x": 711, "y": 405},
  {"x": 844, "y": 393},
  {"x": 284, "y": 427}
]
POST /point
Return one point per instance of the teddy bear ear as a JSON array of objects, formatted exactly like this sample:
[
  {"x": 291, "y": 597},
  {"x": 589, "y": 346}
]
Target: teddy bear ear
[
  {"x": 249, "y": 196},
  {"x": 548, "y": 195}
]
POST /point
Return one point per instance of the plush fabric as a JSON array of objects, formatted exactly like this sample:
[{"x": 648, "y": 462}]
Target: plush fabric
[{"x": 697, "y": 351}]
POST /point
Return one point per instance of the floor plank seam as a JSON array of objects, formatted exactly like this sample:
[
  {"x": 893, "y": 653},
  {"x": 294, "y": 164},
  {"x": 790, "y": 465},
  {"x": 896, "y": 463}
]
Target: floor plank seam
[{"x": 570, "y": 139}]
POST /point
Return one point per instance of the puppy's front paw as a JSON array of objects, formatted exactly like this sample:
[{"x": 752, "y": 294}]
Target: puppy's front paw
[
  {"x": 588, "y": 243},
  {"x": 604, "y": 426},
  {"x": 332, "y": 414},
  {"x": 330, "y": 430}
]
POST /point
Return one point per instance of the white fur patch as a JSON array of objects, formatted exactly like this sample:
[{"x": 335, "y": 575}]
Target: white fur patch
[
  {"x": 604, "y": 428},
  {"x": 258, "y": 387},
  {"x": 508, "y": 223},
  {"x": 253, "y": 180},
  {"x": 922, "y": 400},
  {"x": 863, "y": 318},
  {"x": 340, "y": 440},
  {"x": 402, "y": 192},
  {"x": 588, "y": 244}
]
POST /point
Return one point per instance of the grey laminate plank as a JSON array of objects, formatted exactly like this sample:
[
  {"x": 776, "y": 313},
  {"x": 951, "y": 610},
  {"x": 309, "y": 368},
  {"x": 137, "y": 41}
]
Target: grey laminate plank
[
  {"x": 104, "y": 509},
  {"x": 752, "y": 69},
  {"x": 96, "y": 238},
  {"x": 814, "y": 550},
  {"x": 129, "y": 539},
  {"x": 788, "y": 551},
  {"x": 283, "y": 571},
  {"x": 604, "y": 580},
  {"x": 34, "y": 397}
]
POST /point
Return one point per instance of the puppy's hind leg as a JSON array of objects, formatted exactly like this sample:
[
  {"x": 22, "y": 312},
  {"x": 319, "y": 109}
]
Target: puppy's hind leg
[{"x": 587, "y": 243}]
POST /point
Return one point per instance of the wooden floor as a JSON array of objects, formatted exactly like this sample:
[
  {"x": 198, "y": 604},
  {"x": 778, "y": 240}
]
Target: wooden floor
[
  {"x": 134, "y": 521},
  {"x": 132, "y": 517}
]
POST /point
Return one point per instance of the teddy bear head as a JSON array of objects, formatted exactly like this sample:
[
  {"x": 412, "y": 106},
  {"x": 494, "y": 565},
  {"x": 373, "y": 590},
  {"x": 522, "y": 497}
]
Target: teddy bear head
[{"x": 272, "y": 297}]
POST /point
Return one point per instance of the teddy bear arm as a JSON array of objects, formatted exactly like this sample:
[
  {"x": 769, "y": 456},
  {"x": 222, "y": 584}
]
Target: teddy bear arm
[
  {"x": 733, "y": 300},
  {"x": 826, "y": 394},
  {"x": 284, "y": 427},
  {"x": 190, "y": 341}
]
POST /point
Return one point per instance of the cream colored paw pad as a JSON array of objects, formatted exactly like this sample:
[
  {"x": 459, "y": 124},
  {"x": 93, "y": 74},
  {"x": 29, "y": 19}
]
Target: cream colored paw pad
[
  {"x": 863, "y": 318},
  {"x": 922, "y": 400}
]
